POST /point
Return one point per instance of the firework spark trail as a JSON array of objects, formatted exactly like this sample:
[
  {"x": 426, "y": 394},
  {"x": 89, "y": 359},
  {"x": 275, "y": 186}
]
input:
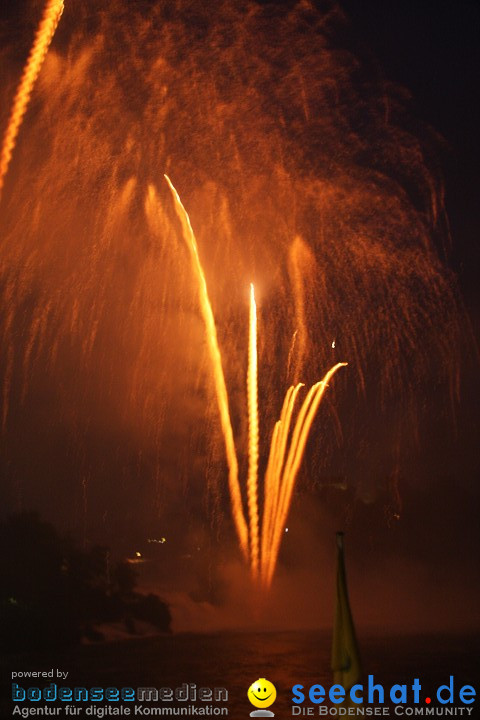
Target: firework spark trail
[
  {"x": 268, "y": 490},
  {"x": 252, "y": 395},
  {"x": 262, "y": 552},
  {"x": 272, "y": 488},
  {"x": 281, "y": 479},
  {"x": 281, "y": 474},
  {"x": 219, "y": 379},
  {"x": 43, "y": 38},
  {"x": 272, "y": 475},
  {"x": 305, "y": 429},
  {"x": 292, "y": 465},
  {"x": 291, "y": 351}
]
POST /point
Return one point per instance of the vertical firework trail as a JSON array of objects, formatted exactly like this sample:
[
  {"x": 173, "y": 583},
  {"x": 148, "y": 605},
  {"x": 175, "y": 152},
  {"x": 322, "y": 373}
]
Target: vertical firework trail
[
  {"x": 218, "y": 376},
  {"x": 253, "y": 434},
  {"x": 43, "y": 38}
]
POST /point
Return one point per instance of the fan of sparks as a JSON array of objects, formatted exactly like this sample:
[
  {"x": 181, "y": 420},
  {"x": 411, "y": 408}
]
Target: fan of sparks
[{"x": 259, "y": 534}]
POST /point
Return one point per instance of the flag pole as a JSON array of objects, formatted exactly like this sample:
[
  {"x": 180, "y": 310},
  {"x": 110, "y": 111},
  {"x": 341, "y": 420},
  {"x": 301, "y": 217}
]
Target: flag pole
[{"x": 345, "y": 660}]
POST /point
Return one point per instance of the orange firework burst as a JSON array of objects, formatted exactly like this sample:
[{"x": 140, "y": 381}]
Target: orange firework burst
[{"x": 296, "y": 172}]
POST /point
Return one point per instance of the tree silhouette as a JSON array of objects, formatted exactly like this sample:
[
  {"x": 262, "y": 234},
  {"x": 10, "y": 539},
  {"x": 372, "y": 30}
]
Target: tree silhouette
[{"x": 52, "y": 593}]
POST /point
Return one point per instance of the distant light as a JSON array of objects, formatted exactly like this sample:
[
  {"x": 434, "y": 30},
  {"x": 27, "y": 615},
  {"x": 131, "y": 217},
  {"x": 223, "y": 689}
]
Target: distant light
[
  {"x": 333, "y": 343},
  {"x": 286, "y": 529},
  {"x": 163, "y": 540},
  {"x": 138, "y": 554}
]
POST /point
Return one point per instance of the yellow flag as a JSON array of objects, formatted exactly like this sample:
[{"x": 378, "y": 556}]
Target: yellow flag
[{"x": 345, "y": 660}]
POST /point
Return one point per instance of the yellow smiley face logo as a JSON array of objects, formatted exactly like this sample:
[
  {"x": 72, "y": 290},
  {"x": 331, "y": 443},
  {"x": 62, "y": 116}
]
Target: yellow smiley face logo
[{"x": 262, "y": 693}]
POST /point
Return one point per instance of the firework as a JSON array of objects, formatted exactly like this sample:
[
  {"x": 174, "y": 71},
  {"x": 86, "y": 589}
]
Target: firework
[
  {"x": 216, "y": 359},
  {"x": 294, "y": 175},
  {"x": 253, "y": 434},
  {"x": 286, "y": 467},
  {"x": 43, "y": 38},
  {"x": 283, "y": 466}
]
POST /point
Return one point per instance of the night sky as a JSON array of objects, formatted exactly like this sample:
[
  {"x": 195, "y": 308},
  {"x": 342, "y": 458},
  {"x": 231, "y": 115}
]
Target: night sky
[{"x": 432, "y": 49}]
